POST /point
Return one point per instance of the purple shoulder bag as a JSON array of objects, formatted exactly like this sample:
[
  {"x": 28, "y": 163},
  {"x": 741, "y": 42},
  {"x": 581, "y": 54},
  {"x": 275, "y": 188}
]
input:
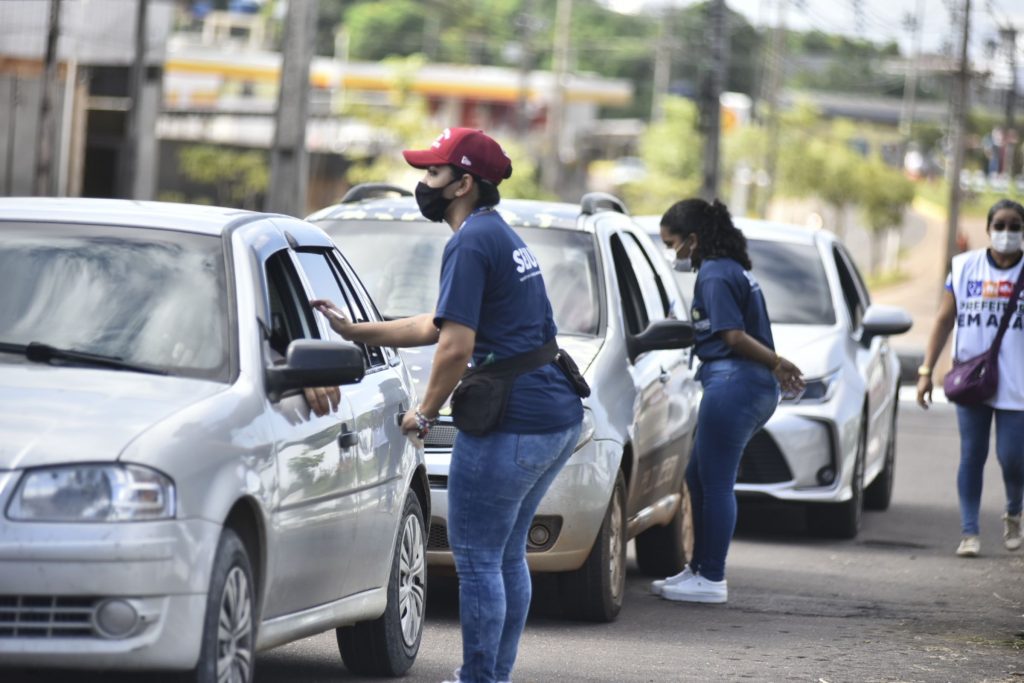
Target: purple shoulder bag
[{"x": 975, "y": 380}]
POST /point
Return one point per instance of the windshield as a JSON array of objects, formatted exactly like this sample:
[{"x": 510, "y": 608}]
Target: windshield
[
  {"x": 792, "y": 278},
  {"x": 154, "y": 298},
  {"x": 400, "y": 264}
]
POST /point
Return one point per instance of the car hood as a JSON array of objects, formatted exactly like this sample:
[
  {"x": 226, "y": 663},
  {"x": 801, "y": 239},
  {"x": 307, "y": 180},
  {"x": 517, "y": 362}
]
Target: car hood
[
  {"x": 51, "y": 415},
  {"x": 582, "y": 349},
  {"x": 815, "y": 349}
]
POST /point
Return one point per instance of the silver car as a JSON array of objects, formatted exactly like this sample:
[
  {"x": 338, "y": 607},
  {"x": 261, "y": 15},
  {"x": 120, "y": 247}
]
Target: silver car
[
  {"x": 833, "y": 446},
  {"x": 167, "y": 498},
  {"x": 620, "y": 316}
]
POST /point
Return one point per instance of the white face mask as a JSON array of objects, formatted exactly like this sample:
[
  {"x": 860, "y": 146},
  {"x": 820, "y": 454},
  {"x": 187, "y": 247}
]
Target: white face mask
[{"x": 1006, "y": 241}]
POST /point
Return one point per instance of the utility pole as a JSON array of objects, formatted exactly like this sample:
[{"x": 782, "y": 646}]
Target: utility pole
[
  {"x": 130, "y": 165},
  {"x": 959, "y": 124},
  {"x": 44, "y": 141},
  {"x": 525, "y": 24},
  {"x": 910, "y": 82},
  {"x": 662, "y": 64},
  {"x": 552, "y": 170},
  {"x": 289, "y": 164},
  {"x": 1009, "y": 36},
  {"x": 711, "y": 116},
  {"x": 776, "y": 64}
]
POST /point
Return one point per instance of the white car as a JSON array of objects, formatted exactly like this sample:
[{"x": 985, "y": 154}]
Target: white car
[{"x": 832, "y": 447}]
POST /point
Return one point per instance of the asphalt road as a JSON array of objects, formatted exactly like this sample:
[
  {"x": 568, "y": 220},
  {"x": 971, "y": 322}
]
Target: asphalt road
[{"x": 893, "y": 605}]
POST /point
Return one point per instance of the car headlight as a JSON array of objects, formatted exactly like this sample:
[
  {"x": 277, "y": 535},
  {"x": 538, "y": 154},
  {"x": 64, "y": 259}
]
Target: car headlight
[
  {"x": 586, "y": 430},
  {"x": 816, "y": 390},
  {"x": 93, "y": 493}
]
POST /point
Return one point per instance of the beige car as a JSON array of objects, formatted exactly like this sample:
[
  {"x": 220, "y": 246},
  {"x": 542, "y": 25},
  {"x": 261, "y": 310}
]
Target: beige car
[{"x": 167, "y": 498}]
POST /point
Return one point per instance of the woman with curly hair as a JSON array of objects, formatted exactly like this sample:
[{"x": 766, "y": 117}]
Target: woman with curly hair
[{"x": 741, "y": 375}]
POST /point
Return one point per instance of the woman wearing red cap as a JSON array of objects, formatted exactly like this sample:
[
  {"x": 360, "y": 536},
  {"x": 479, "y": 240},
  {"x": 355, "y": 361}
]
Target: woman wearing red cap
[{"x": 492, "y": 310}]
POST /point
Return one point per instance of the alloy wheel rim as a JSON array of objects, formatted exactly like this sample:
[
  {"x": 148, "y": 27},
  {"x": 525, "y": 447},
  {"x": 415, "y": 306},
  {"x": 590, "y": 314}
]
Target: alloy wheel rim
[
  {"x": 411, "y": 581},
  {"x": 234, "y": 630},
  {"x": 616, "y": 560}
]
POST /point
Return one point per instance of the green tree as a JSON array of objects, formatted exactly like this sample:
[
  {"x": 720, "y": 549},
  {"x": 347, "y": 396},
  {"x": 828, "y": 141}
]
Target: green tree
[
  {"x": 671, "y": 152},
  {"x": 238, "y": 178},
  {"x": 886, "y": 194}
]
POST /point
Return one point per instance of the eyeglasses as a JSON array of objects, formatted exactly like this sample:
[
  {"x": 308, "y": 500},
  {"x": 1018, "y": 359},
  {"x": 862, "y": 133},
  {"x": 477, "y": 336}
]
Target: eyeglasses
[{"x": 1016, "y": 226}]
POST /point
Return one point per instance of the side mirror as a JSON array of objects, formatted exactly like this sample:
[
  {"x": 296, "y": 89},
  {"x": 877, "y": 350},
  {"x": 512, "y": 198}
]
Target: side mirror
[
  {"x": 882, "y": 321},
  {"x": 662, "y": 335},
  {"x": 316, "y": 363}
]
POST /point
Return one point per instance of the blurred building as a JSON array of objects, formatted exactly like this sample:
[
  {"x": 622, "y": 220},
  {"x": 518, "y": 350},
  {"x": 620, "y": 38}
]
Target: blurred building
[{"x": 92, "y": 98}]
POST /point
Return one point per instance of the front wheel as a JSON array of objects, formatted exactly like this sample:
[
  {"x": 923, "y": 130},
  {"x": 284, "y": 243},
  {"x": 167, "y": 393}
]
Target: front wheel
[
  {"x": 594, "y": 592},
  {"x": 227, "y": 654},
  {"x": 664, "y": 550},
  {"x": 388, "y": 645}
]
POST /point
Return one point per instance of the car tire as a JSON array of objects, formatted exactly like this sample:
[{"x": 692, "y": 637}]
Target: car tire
[
  {"x": 878, "y": 494},
  {"x": 665, "y": 550},
  {"x": 594, "y": 592},
  {"x": 228, "y": 655},
  {"x": 388, "y": 645},
  {"x": 842, "y": 520}
]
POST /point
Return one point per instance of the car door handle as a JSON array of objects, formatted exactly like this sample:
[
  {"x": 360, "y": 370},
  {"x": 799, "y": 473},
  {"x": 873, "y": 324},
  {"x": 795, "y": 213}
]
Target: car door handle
[{"x": 347, "y": 439}]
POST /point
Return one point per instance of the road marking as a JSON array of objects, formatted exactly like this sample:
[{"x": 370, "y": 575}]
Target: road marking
[{"x": 909, "y": 393}]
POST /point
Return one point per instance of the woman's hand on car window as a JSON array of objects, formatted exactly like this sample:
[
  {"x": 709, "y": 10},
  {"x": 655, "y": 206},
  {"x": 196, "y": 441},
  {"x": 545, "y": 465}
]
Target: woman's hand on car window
[{"x": 339, "y": 323}]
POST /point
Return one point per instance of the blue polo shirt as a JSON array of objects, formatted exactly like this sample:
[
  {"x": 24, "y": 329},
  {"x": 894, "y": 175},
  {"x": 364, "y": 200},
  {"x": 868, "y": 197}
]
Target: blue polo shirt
[
  {"x": 727, "y": 297},
  {"x": 492, "y": 283}
]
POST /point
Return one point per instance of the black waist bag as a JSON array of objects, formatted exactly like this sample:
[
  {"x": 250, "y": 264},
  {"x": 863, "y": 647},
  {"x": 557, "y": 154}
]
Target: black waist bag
[{"x": 480, "y": 399}]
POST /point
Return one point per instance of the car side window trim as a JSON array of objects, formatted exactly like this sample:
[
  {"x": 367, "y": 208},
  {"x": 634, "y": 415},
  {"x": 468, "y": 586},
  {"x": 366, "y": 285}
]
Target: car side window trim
[
  {"x": 285, "y": 292},
  {"x": 666, "y": 303},
  {"x": 633, "y": 308},
  {"x": 851, "y": 295}
]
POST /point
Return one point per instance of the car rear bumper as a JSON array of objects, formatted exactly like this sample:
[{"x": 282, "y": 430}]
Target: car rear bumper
[{"x": 60, "y": 584}]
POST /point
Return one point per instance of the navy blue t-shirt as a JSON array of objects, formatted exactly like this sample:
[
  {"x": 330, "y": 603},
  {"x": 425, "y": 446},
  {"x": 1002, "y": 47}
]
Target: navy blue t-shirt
[
  {"x": 727, "y": 297},
  {"x": 491, "y": 282}
]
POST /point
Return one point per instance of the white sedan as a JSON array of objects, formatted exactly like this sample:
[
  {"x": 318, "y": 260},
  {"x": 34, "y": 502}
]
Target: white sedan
[{"x": 834, "y": 445}]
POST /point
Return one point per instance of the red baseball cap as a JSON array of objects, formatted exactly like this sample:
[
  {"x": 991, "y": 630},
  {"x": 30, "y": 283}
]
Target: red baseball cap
[{"x": 467, "y": 148}]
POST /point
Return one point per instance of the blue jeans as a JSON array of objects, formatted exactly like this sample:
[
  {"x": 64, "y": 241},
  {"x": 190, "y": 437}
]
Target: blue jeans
[
  {"x": 739, "y": 397},
  {"x": 975, "y": 427},
  {"x": 495, "y": 484}
]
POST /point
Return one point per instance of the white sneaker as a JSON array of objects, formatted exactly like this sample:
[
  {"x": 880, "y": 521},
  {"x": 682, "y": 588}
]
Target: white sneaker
[
  {"x": 969, "y": 546},
  {"x": 659, "y": 584},
  {"x": 1013, "y": 536},
  {"x": 697, "y": 589}
]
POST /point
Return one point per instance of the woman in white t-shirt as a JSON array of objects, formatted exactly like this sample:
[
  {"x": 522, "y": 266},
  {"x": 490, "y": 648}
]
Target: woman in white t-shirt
[{"x": 977, "y": 292}]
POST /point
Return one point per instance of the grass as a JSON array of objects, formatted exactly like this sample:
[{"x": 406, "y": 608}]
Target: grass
[{"x": 886, "y": 279}]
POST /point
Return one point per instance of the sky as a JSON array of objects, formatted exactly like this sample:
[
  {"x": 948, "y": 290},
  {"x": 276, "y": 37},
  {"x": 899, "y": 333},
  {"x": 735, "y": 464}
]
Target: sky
[{"x": 882, "y": 20}]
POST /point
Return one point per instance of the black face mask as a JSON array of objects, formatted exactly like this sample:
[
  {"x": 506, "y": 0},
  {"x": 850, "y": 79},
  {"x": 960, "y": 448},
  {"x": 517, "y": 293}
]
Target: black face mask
[{"x": 432, "y": 203}]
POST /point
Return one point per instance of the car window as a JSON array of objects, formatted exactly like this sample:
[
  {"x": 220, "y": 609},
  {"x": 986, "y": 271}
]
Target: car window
[
  {"x": 400, "y": 264},
  {"x": 851, "y": 292},
  {"x": 291, "y": 317},
  {"x": 792, "y": 277},
  {"x": 633, "y": 307},
  {"x": 655, "y": 300},
  {"x": 328, "y": 283},
  {"x": 156, "y": 298}
]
